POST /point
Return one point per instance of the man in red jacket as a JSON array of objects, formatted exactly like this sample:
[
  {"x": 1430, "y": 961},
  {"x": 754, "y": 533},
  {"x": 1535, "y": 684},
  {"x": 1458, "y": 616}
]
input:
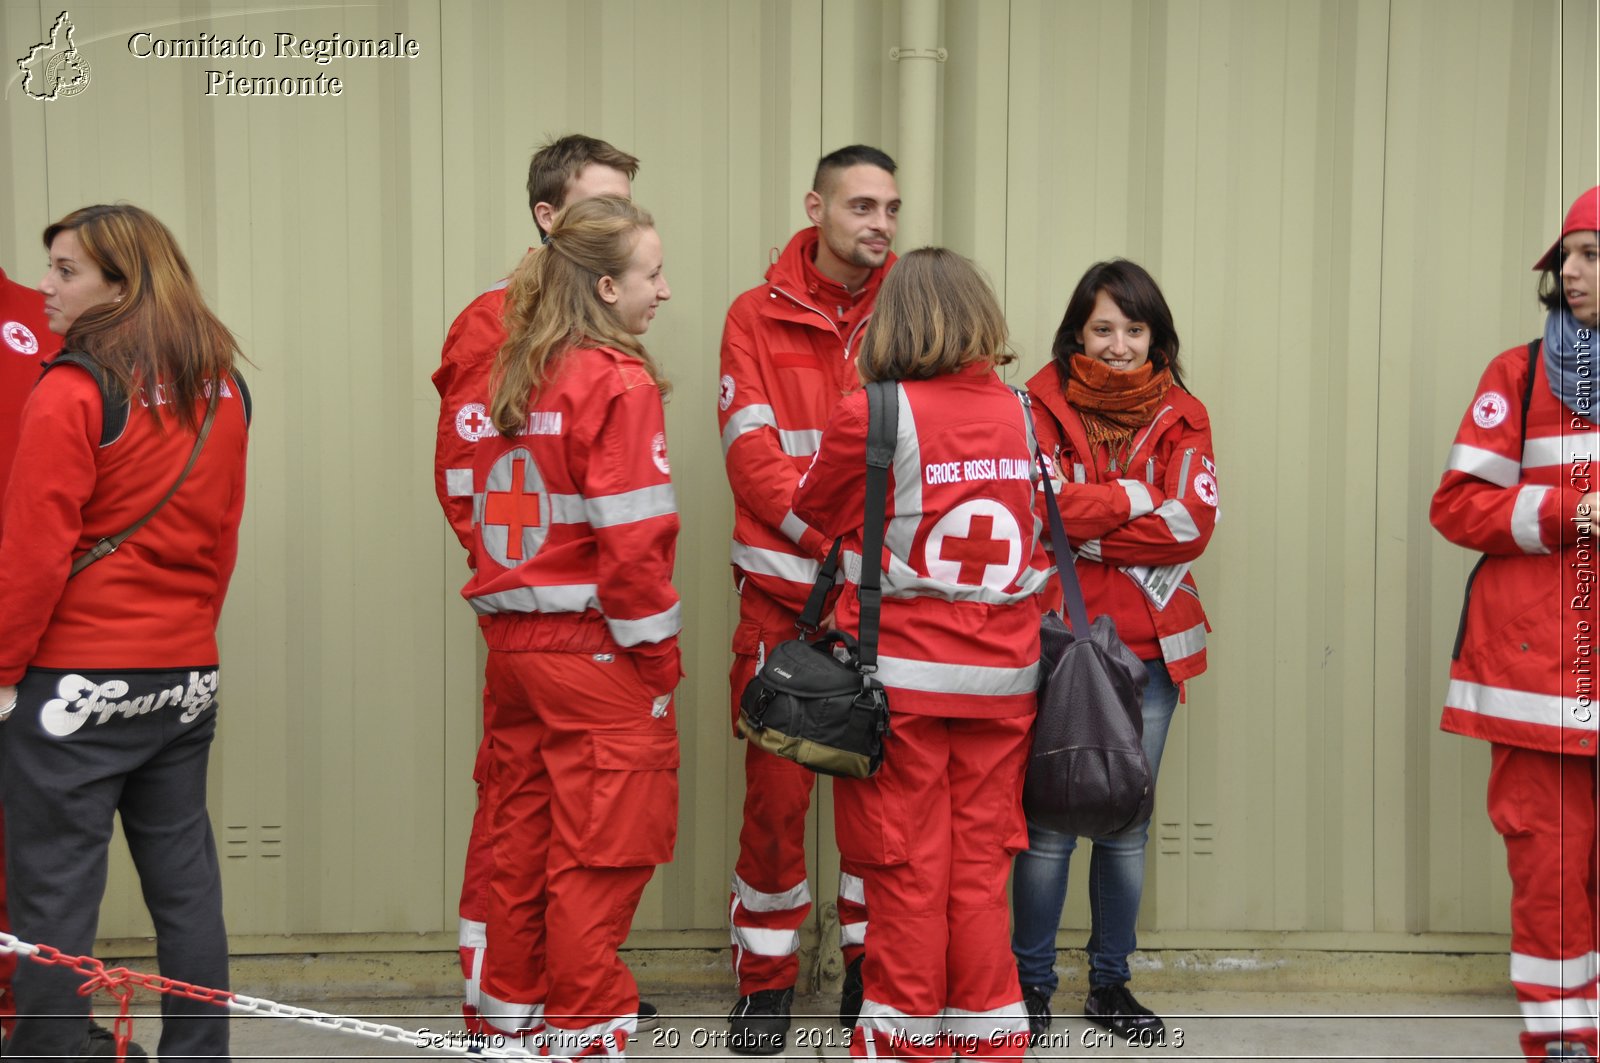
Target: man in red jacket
[
  {"x": 566, "y": 170},
  {"x": 788, "y": 354}
]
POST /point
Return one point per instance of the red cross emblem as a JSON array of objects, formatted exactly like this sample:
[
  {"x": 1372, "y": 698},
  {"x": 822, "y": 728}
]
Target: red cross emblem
[
  {"x": 472, "y": 422},
  {"x": 19, "y": 337},
  {"x": 976, "y": 544},
  {"x": 513, "y": 525}
]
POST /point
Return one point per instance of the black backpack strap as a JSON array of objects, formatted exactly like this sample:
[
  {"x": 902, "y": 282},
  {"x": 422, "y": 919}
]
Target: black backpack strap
[
  {"x": 1527, "y": 402},
  {"x": 244, "y": 396},
  {"x": 883, "y": 425},
  {"x": 113, "y": 404}
]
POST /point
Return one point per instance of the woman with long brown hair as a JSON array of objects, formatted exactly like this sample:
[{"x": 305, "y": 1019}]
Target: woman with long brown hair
[
  {"x": 575, "y": 534},
  {"x": 121, "y": 527}
]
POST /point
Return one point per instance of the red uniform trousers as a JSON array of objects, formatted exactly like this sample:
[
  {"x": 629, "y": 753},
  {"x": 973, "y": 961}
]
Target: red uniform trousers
[
  {"x": 935, "y": 831},
  {"x": 770, "y": 899},
  {"x": 584, "y": 776},
  {"x": 1544, "y": 806},
  {"x": 474, "y": 907}
]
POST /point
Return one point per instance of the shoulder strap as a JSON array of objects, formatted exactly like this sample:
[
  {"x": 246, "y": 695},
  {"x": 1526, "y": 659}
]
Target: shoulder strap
[
  {"x": 1527, "y": 392},
  {"x": 883, "y": 424},
  {"x": 1066, "y": 560},
  {"x": 113, "y": 404}
]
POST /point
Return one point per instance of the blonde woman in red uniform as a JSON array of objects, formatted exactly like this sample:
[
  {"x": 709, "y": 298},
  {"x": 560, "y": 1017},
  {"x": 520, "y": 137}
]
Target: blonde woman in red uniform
[
  {"x": 108, "y": 678},
  {"x": 935, "y": 829},
  {"x": 575, "y": 533},
  {"x": 1519, "y": 486}
]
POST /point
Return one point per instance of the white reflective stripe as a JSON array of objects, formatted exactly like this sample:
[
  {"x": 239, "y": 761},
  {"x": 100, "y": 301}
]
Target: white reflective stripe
[
  {"x": 793, "y": 527},
  {"x": 986, "y": 1025},
  {"x": 1574, "y": 973},
  {"x": 1078, "y": 472},
  {"x": 1484, "y": 464},
  {"x": 901, "y": 581},
  {"x": 1522, "y": 706},
  {"x": 1183, "y": 472},
  {"x": 1089, "y": 551},
  {"x": 472, "y": 935},
  {"x": 796, "y": 442},
  {"x": 1178, "y": 521},
  {"x": 760, "y": 562},
  {"x": 662, "y": 625},
  {"x": 1559, "y": 450},
  {"x": 1525, "y": 519},
  {"x": 852, "y": 934},
  {"x": 1139, "y": 500},
  {"x": 458, "y": 482},
  {"x": 561, "y": 598},
  {"x": 571, "y": 1043},
  {"x": 941, "y": 678},
  {"x": 1183, "y": 644},
  {"x": 630, "y": 507},
  {"x": 881, "y": 1017},
  {"x": 851, "y": 888},
  {"x": 756, "y": 901},
  {"x": 1559, "y": 1016},
  {"x": 509, "y": 1018},
  {"x": 763, "y": 942}
]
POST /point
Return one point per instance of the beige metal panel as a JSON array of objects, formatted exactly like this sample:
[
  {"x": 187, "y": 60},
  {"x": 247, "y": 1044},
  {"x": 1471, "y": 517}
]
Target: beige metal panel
[
  {"x": 974, "y": 146},
  {"x": 22, "y": 182}
]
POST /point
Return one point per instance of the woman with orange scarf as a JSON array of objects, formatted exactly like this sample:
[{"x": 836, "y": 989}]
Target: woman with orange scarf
[{"x": 1131, "y": 451}]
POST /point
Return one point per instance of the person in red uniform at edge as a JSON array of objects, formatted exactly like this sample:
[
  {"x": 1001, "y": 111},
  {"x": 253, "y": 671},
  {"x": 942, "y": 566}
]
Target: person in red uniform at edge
[
  {"x": 1131, "y": 448},
  {"x": 566, "y": 170},
  {"x": 935, "y": 829},
  {"x": 788, "y": 354},
  {"x": 26, "y": 342},
  {"x": 1522, "y": 492},
  {"x": 575, "y": 530},
  {"x": 109, "y": 678}
]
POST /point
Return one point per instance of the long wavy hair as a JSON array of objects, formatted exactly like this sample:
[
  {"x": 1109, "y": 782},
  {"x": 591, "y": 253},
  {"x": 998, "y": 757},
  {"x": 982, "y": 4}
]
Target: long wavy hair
[
  {"x": 553, "y": 303},
  {"x": 161, "y": 333}
]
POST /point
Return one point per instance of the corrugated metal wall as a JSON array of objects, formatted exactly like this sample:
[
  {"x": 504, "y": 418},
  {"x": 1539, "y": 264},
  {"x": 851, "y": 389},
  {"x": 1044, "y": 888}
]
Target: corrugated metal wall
[{"x": 1340, "y": 198}]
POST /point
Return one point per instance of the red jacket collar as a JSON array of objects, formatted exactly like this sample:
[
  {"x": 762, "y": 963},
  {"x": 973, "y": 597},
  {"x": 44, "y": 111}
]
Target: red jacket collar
[{"x": 795, "y": 275}]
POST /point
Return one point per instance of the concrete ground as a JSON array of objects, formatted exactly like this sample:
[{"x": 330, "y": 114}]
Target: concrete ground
[{"x": 1200, "y": 1025}]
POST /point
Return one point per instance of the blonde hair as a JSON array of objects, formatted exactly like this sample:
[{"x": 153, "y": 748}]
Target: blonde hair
[
  {"x": 160, "y": 333},
  {"x": 934, "y": 314},
  {"x": 553, "y": 303}
]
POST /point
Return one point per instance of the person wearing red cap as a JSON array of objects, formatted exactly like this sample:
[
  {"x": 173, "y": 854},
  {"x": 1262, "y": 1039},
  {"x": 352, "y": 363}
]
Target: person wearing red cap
[{"x": 1519, "y": 486}]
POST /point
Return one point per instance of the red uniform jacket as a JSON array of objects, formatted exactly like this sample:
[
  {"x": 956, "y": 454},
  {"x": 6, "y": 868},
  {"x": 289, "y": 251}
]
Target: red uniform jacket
[
  {"x": 963, "y": 562},
  {"x": 154, "y": 602},
  {"x": 462, "y": 380},
  {"x": 25, "y": 343},
  {"x": 1525, "y": 672},
  {"x": 788, "y": 355},
  {"x": 1160, "y": 510},
  {"x": 575, "y": 526}
]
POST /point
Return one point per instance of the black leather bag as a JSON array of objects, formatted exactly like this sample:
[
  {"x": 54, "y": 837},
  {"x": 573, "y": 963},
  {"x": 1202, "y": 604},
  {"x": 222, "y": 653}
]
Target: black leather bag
[
  {"x": 1087, "y": 773},
  {"x": 819, "y": 703}
]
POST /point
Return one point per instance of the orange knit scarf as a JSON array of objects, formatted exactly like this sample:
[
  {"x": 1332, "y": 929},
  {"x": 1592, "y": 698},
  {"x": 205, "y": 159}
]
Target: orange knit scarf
[{"x": 1115, "y": 403}]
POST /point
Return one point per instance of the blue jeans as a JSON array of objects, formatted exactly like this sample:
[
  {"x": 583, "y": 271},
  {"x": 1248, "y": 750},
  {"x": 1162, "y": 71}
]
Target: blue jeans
[{"x": 1116, "y": 874}]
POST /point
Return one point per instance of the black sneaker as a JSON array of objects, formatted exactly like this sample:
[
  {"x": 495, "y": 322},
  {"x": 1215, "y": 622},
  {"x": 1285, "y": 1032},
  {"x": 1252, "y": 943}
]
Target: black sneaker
[
  {"x": 1114, "y": 1008},
  {"x": 649, "y": 1017},
  {"x": 102, "y": 1044},
  {"x": 1036, "y": 998},
  {"x": 851, "y": 994},
  {"x": 758, "y": 1024},
  {"x": 1567, "y": 1050}
]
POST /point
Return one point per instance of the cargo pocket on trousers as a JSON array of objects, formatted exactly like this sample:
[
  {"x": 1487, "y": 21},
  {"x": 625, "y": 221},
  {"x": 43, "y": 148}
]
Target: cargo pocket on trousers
[
  {"x": 870, "y": 823},
  {"x": 633, "y": 802}
]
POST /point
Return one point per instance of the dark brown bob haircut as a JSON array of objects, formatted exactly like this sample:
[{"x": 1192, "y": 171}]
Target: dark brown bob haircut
[
  {"x": 935, "y": 314},
  {"x": 563, "y": 159},
  {"x": 1137, "y": 295},
  {"x": 844, "y": 158}
]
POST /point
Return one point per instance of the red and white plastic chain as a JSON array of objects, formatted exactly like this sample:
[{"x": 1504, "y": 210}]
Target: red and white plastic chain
[{"x": 119, "y": 981}]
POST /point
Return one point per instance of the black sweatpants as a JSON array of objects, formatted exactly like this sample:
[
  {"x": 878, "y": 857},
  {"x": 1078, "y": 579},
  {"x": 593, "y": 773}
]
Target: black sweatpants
[{"x": 79, "y": 747}]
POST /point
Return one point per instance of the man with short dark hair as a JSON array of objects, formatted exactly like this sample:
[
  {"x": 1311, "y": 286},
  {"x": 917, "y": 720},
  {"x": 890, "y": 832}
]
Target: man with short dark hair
[
  {"x": 788, "y": 354},
  {"x": 566, "y": 170}
]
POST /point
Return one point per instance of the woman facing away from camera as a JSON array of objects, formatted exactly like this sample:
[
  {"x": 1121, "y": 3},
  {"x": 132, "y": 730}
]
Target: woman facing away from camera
[
  {"x": 108, "y": 675},
  {"x": 1131, "y": 448},
  {"x": 1519, "y": 486},
  {"x": 936, "y": 828},
  {"x": 576, "y": 531}
]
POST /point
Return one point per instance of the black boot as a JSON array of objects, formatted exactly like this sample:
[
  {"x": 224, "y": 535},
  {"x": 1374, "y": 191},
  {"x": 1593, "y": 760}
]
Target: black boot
[
  {"x": 758, "y": 1024},
  {"x": 1114, "y": 1008}
]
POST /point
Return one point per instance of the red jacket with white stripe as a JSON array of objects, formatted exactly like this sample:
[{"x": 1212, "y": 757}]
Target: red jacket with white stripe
[
  {"x": 575, "y": 526},
  {"x": 462, "y": 380},
  {"x": 1524, "y": 675},
  {"x": 1159, "y": 510},
  {"x": 788, "y": 354},
  {"x": 959, "y": 634},
  {"x": 154, "y": 602}
]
